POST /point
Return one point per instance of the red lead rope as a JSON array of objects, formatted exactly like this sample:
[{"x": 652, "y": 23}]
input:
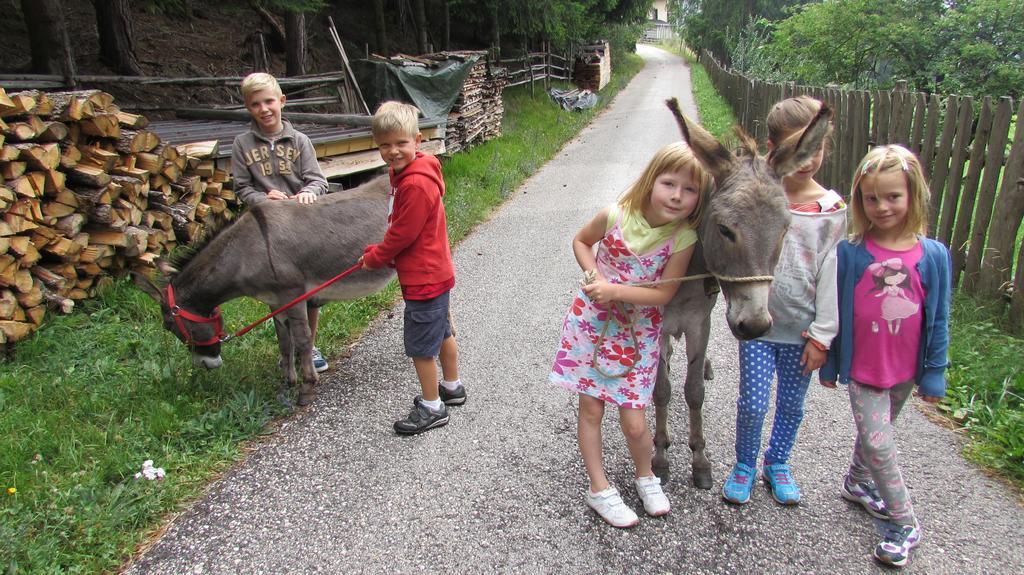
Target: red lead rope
[{"x": 292, "y": 303}]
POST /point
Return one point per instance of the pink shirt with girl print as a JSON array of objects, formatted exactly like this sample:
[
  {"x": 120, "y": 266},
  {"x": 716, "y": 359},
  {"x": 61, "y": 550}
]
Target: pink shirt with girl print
[{"x": 887, "y": 318}]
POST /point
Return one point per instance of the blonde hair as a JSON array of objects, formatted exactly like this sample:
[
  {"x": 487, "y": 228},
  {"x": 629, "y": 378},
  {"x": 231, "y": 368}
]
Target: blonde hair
[
  {"x": 789, "y": 118},
  {"x": 671, "y": 158},
  {"x": 395, "y": 116},
  {"x": 259, "y": 81},
  {"x": 887, "y": 159}
]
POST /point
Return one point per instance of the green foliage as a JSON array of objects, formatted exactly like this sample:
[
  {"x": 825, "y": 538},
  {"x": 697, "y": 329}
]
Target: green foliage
[
  {"x": 714, "y": 24},
  {"x": 985, "y": 395},
  {"x": 90, "y": 396},
  {"x": 973, "y": 46},
  {"x": 983, "y": 48}
]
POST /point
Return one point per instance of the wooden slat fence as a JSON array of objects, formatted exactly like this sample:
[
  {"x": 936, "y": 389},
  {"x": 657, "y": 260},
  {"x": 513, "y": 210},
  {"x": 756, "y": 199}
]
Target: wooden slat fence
[
  {"x": 976, "y": 173},
  {"x": 537, "y": 67}
]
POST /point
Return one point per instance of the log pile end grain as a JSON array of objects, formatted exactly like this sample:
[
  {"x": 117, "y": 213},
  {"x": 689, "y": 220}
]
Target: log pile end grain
[
  {"x": 592, "y": 69},
  {"x": 478, "y": 111},
  {"x": 88, "y": 194}
]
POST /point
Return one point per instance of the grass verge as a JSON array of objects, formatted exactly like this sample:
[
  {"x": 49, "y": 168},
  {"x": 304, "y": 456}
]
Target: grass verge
[
  {"x": 985, "y": 395},
  {"x": 90, "y": 396}
]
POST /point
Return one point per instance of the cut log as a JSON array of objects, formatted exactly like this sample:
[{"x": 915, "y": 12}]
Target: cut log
[
  {"x": 132, "y": 141},
  {"x": 12, "y": 170},
  {"x": 39, "y": 156},
  {"x": 136, "y": 121},
  {"x": 56, "y": 302},
  {"x": 198, "y": 149},
  {"x": 23, "y": 103},
  {"x": 50, "y": 278},
  {"x": 102, "y": 126},
  {"x": 69, "y": 156},
  {"x": 35, "y": 315},
  {"x": 53, "y": 132},
  {"x": 15, "y": 331},
  {"x": 8, "y": 302},
  {"x": 33, "y": 297},
  {"x": 98, "y": 157},
  {"x": 88, "y": 176},
  {"x": 28, "y": 185},
  {"x": 6, "y": 104}
]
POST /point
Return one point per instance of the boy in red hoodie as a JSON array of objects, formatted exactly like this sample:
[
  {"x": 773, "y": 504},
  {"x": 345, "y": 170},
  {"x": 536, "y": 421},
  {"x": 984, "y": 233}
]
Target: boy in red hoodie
[{"x": 416, "y": 244}]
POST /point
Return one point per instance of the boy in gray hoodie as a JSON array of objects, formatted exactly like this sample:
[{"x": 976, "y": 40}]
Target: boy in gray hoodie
[{"x": 274, "y": 162}]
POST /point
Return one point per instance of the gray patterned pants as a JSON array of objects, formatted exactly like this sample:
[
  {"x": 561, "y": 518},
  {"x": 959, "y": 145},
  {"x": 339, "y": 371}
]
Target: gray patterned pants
[{"x": 874, "y": 454}]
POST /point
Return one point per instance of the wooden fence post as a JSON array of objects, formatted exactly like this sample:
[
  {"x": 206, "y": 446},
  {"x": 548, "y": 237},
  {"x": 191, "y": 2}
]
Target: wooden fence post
[
  {"x": 945, "y": 149},
  {"x": 956, "y": 170},
  {"x": 987, "y": 195},
  {"x": 998, "y": 257},
  {"x": 969, "y": 191}
]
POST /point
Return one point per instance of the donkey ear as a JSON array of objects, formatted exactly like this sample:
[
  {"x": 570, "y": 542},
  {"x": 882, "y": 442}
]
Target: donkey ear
[
  {"x": 789, "y": 156},
  {"x": 146, "y": 284},
  {"x": 165, "y": 267},
  {"x": 715, "y": 157}
]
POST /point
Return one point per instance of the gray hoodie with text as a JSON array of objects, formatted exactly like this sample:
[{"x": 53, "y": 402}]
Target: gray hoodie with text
[{"x": 286, "y": 162}]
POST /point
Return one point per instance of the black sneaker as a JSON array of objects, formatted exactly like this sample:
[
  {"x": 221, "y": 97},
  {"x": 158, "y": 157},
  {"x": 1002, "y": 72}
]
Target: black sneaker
[
  {"x": 421, "y": 418},
  {"x": 455, "y": 396},
  {"x": 897, "y": 543}
]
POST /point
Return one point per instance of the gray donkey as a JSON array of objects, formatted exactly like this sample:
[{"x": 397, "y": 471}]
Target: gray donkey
[
  {"x": 740, "y": 239},
  {"x": 275, "y": 252}
]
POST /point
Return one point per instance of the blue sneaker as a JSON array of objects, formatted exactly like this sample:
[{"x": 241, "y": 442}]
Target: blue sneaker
[
  {"x": 741, "y": 481},
  {"x": 781, "y": 483},
  {"x": 319, "y": 363}
]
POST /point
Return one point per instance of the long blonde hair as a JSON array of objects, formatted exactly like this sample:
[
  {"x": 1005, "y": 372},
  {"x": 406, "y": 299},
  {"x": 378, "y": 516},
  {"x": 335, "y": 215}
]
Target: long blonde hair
[
  {"x": 885, "y": 159},
  {"x": 674, "y": 157}
]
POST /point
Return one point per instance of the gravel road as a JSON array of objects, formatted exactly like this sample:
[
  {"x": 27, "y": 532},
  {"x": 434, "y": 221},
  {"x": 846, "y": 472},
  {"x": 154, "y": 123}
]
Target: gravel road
[{"x": 500, "y": 489}]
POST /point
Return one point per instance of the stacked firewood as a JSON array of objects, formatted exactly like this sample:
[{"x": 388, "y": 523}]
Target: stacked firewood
[
  {"x": 478, "y": 111},
  {"x": 86, "y": 194},
  {"x": 593, "y": 67}
]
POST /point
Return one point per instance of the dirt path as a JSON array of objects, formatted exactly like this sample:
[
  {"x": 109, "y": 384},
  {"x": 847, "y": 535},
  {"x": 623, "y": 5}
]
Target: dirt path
[{"x": 500, "y": 488}]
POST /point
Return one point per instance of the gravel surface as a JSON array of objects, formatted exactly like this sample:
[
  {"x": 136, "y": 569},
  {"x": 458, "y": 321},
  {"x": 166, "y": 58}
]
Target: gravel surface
[{"x": 500, "y": 489}]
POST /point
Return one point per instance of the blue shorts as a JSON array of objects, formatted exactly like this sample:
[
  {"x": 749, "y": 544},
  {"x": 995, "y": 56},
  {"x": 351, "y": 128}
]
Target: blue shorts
[{"x": 426, "y": 326}]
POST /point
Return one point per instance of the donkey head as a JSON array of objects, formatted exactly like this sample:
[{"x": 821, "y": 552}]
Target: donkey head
[
  {"x": 747, "y": 215},
  {"x": 200, "y": 332}
]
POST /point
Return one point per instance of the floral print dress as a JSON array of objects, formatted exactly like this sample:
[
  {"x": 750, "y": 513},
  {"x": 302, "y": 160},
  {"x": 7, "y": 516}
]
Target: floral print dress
[{"x": 627, "y": 363}]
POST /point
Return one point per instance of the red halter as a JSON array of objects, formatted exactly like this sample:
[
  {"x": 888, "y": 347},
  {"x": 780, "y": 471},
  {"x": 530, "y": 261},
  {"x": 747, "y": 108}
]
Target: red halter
[{"x": 178, "y": 313}]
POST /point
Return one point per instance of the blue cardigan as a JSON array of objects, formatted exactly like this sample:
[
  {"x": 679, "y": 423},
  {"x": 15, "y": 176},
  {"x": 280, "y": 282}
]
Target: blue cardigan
[{"x": 935, "y": 269}]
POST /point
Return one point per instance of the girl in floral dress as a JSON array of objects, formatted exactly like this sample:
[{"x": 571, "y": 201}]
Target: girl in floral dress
[{"x": 611, "y": 333}]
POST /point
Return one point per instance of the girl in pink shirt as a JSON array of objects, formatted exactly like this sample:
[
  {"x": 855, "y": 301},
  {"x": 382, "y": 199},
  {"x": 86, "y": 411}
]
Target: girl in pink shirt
[{"x": 894, "y": 293}]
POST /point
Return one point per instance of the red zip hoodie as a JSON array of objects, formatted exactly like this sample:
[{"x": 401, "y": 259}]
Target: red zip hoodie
[{"x": 416, "y": 241}]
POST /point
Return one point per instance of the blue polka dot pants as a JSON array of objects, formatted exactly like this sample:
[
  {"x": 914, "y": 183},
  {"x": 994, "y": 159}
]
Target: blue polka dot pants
[{"x": 760, "y": 362}]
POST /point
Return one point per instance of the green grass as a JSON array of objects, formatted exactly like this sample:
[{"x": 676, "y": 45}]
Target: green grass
[
  {"x": 90, "y": 396},
  {"x": 986, "y": 386}
]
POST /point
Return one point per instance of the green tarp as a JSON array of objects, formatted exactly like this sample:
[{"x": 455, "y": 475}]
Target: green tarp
[{"x": 432, "y": 89}]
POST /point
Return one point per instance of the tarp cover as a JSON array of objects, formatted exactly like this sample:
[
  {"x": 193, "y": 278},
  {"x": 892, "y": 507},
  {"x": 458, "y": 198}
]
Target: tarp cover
[{"x": 432, "y": 89}]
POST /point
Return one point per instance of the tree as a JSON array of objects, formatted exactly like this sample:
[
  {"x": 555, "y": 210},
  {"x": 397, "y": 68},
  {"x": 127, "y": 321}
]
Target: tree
[
  {"x": 983, "y": 48},
  {"x": 117, "y": 42},
  {"x": 295, "y": 43},
  {"x": 380, "y": 27},
  {"x": 48, "y": 37}
]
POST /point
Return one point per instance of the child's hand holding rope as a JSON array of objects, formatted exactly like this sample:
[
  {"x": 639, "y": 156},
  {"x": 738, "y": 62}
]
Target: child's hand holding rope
[{"x": 597, "y": 288}]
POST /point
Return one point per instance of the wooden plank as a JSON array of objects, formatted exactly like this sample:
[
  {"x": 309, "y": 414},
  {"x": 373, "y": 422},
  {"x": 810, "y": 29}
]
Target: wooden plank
[
  {"x": 884, "y": 102},
  {"x": 920, "y": 106},
  {"x": 987, "y": 194},
  {"x": 942, "y": 153},
  {"x": 367, "y": 160},
  {"x": 969, "y": 193},
  {"x": 902, "y": 121},
  {"x": 997, "y": 262},
  {"x": 930, "y": 133},
  {"x": 956, "y": 170}
]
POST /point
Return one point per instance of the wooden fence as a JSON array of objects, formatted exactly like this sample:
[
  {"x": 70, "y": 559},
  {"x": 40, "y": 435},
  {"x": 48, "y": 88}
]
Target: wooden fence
[
  {"x": 976, "y": 175},
  {"x": 537, "y": 67}
]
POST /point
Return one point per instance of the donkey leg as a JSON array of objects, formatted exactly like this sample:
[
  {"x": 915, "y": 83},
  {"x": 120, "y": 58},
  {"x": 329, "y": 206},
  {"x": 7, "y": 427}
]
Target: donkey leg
[
  {"x": 662, "y": 397},
  {"x": 286, "y": 347},
  {"x": 298, "y": 322},
  {"x": 696, "y": 350}
]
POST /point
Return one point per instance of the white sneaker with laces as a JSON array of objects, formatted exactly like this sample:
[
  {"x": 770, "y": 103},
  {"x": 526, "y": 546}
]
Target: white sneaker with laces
[
  {"x": 649, "y": 489},
  {"x": 609, "y": 505}
]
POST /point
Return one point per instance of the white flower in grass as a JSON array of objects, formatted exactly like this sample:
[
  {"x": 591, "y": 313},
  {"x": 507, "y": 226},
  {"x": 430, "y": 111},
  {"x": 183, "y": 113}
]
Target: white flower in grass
[{"x": 149, "y": 472}]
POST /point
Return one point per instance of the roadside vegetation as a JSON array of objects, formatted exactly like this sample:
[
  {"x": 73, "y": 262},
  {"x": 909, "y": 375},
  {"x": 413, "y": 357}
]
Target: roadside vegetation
[
  {"x": 91, "y": 396},
  {"x": 985, "y": 396}
]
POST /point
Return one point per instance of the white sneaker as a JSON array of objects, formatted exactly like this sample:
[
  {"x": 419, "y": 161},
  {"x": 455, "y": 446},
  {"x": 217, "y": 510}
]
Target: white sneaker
[
  {"x": 610, "y": 507},
  {"x": 649, "y": 490}
]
